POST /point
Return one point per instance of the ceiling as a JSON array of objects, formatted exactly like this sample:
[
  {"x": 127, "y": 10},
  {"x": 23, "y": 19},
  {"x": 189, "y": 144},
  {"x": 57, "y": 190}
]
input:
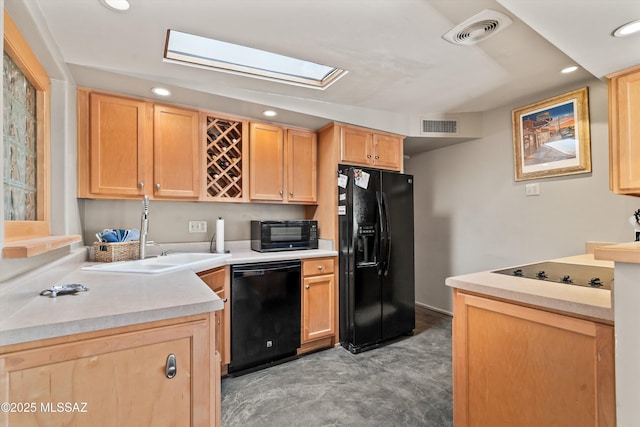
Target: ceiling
[{"x": 400, "y": 69}]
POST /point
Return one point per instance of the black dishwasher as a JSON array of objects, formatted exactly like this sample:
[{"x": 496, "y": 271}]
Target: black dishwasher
[{"x": 265, "y": 313}]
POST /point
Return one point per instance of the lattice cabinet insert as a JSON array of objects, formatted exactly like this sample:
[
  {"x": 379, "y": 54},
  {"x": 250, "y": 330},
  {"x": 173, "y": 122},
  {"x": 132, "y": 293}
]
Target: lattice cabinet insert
[{"x": 225, "y": 145}]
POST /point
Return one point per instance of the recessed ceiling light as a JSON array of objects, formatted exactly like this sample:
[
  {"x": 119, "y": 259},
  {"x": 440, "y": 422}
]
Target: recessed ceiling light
[
  {"x": 627, "y": 29},
  {"x": 570, "y": 69},
  {"x": 161, "y": 91},
  {"x": 118, "y": 5},
  {"x": 269, "y": 113}
]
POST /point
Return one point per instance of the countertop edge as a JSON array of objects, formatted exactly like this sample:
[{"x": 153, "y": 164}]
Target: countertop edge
[
  {"x": 596, "y": 304},
  {"x": 569, "y": 307},
  {"x": 74, "y": 327},
  {"x": 623, "y": 252}
]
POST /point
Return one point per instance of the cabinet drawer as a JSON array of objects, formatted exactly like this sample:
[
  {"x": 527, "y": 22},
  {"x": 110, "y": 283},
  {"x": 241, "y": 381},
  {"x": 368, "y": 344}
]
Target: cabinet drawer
[{"x": 313, "y": 267}]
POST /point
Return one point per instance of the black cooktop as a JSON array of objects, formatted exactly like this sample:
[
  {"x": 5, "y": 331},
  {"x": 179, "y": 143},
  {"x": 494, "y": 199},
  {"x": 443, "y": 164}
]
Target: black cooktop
[{"x": 567, "y": 274}]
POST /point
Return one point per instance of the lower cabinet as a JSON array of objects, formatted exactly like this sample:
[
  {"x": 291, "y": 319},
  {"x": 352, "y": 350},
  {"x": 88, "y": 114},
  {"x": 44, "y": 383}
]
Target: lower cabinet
[
  {"x": 520, "y": 366},
  {"x": 157, "y": 374},
  {"x": 318, "y": 299},
  {"x": 218, "y": 281}
]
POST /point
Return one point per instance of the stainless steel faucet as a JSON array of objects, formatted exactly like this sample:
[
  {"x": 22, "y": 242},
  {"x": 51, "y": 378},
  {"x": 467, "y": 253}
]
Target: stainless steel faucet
[{"x": 144, "y": 226}]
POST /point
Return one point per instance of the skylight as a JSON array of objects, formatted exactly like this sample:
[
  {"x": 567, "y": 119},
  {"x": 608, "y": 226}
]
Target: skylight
[{"x": 197, "y": 51}]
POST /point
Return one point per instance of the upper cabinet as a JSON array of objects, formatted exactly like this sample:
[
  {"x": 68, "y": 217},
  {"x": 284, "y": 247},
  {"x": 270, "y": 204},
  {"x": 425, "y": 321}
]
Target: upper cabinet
[
  {"x": 624, "y": 132},
  {"x": 129, "y": 148},
  {"x": 364, "y": 147},
  {"x": 116, "y": 135},
  {"x": 266, "y": 160},
  {"x": 176, "y": 153},
  {"x": 302, "y": 163},
  {"x": 283, "y": 164},
  {"x": 226, "y": 157}
]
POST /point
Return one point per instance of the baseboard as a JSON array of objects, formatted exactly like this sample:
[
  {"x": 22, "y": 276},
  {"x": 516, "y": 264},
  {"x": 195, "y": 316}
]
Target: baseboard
[{"x": 439, "y": 310}]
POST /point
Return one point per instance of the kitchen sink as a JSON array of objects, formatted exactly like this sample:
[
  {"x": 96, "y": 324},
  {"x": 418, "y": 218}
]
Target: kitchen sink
[
  {"x": 196, "y": 261},
  {"x": 186, "y": 258}
]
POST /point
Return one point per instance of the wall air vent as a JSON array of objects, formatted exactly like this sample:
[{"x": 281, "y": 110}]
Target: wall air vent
[
  {"x": 440, "y": 127},
  {"x": 477, "y": 28}
]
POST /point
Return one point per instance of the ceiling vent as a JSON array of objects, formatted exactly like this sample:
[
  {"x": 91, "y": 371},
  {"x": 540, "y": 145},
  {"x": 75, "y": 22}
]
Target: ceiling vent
[
  {"x": 478, "y": 27},
  {"x": 438, "y": 127}
]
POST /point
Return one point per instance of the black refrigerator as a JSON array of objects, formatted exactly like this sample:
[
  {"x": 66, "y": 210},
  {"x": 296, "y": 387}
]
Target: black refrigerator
[{"x": 377, "y": 289}]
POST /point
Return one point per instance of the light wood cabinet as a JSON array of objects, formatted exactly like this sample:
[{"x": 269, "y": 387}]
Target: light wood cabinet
[
  {"x": 363, "y": 147},
  {"x": 301, "y": 162},
  {"x": 226, "y": 158},
  {"x": 318, "y": 299},
  {"x": 624, "y": 132},
  {"x": 515, "y": 365},
  {"x": 218, "y": 281},
  {"x": 176, "y": 153},
  {"x": 115, "y": 379},
  {"x": 282, "y": 169},
  {"x": 119, "y": 131},
  {"x": 266, "y": 160},
  {"x": 130, "y": 147}
]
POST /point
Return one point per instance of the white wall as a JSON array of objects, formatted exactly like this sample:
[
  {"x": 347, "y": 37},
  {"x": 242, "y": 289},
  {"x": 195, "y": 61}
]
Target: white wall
[
  {"x": 64, "y": 209},
  {"x": 168, "y": 221},
  {"x": 471, "y": 215}
]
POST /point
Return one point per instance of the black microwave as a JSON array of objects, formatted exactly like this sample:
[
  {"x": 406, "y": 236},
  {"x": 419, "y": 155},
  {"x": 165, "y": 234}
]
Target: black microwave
[{"x": 268, "y": 236}]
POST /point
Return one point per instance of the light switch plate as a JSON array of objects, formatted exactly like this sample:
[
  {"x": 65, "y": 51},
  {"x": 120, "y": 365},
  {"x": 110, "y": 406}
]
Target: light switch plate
[
  {"x": 197, "y": 226},
  {"x": 532, "y": 189}
]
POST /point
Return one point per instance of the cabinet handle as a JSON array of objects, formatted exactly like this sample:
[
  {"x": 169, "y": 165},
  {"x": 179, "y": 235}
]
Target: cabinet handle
[
  {"x": 307, "y": 287},
  {"x": 377, "y": 157},
  {"x": 158, "y": 186},
  {"x": 171, "y": 369},
  {"x": 281, "y": 193},
  {"x": 224, "y": 300},
  {"x": 368, "y": 156},
  {"x": 291, "y": 193},
  {"x": 141, "y": 185},
  {"x": 320, "y": 267}
]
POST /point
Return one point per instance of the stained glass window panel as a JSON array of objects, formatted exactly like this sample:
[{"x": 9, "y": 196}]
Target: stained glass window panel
[{"x": 20, "y": 147}]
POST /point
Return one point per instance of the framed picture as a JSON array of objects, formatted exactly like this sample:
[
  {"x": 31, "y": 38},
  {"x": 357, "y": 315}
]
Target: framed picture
[{"x": 551, "y": 137}]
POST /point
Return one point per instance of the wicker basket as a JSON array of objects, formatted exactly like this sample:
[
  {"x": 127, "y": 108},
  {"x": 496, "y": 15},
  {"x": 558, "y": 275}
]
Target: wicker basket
[{"x": 120, "y": 251}]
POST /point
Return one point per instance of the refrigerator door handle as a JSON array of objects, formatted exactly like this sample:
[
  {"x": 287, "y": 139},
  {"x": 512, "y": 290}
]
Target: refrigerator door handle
[
  {"x": 385, "y": 208},
  {"x": 382, "y": 223}
]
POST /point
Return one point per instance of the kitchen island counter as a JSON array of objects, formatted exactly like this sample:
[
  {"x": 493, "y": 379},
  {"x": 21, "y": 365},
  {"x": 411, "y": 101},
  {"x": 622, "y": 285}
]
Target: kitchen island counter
[{"x": 596, "y": 304}]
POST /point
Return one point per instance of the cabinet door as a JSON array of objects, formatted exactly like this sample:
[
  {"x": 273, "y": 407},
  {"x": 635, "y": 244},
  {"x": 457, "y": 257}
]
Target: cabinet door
[
  {"x": 119, "y": 131},
  {"x": 317, "y": 307},
  {"x": 176, "y": 154},
  {"x": 120, "y": 378},
  {"x": 355, "y": 146},
  {"x": 302, "y": 166},
  {"x": 387, "y": 152},
  {"x": 266, "y": 160},
  {"x": 215, "y": 279},
  {"x": 624, "y": 95},
  {"x": 516, "y": 365}
]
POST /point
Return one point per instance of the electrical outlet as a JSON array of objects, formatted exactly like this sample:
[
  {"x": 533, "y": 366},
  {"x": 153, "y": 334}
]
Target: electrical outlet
[
  {"x": 197, "y": 226},
  {"x": 532, "y": 189}
]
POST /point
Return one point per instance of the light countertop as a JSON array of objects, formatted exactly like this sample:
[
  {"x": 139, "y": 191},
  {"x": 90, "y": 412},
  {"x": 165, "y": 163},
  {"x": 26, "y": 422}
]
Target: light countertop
[
  {"x": 622, "y": 252},
  {"x": 113, "y": 299},
  {"x": 580, "y": 300}
]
